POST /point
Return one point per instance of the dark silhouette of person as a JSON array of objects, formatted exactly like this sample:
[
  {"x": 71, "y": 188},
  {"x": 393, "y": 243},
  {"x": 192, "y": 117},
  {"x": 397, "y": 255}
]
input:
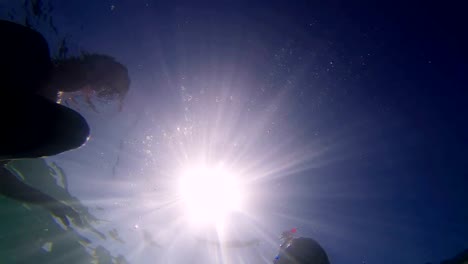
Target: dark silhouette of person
[
  {"x": 302, "y": 250},
  {"x": 33, "y": 124}
]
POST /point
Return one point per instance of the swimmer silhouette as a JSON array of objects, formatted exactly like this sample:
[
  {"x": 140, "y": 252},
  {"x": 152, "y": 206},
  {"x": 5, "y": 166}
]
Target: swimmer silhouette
[{"x": 33, "y": 124}]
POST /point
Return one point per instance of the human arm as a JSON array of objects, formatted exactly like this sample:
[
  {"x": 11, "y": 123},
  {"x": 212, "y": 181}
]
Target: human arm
[{"x": 14, "y": 188}]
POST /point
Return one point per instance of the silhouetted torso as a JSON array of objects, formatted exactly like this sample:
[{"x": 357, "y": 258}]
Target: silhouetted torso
[
  {"x": 25, "y": 64},
  {"x": 32, "y": 125}
]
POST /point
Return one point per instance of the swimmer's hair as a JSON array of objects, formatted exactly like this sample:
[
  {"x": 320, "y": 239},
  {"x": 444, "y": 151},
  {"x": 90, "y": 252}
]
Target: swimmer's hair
[{"x": 103, "y": 73}]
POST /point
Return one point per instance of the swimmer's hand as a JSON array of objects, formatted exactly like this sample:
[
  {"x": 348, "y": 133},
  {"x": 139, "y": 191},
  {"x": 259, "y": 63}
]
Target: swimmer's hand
[
  {"x": 64, "y": 212},
  {"x": 14, "y": 188}
]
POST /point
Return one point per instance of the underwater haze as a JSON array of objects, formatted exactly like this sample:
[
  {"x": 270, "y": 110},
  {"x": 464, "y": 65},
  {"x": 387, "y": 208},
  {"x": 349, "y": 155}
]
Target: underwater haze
[{"x": 345, "y": 121}]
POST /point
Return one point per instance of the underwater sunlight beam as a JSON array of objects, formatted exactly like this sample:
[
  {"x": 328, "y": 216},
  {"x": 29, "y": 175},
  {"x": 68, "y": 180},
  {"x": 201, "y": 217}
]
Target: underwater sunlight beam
[{"x": 209, "y": 194}]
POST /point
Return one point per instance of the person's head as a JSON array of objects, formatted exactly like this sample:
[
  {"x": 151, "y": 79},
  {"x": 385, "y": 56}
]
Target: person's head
[
  {"x": 107, "y": 78},
  {"x": 302, "y": 251}
]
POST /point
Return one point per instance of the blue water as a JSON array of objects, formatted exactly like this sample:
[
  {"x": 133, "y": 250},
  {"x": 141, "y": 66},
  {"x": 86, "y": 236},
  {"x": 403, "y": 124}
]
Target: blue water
[{"x": 345, "y": 122}]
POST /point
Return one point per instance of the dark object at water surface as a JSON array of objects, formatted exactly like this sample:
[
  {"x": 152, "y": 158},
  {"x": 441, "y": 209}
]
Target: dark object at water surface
[
  {"x": 302, "y": 251},
  {"x": 32, "y": 125}
]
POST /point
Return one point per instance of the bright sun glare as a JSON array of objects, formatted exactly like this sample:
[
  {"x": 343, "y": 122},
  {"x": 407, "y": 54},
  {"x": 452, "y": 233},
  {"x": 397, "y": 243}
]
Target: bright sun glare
[{"x": 209, "y": 194}]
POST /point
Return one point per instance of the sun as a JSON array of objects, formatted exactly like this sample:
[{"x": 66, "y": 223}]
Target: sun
[{"x": 209, "y": 194}]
